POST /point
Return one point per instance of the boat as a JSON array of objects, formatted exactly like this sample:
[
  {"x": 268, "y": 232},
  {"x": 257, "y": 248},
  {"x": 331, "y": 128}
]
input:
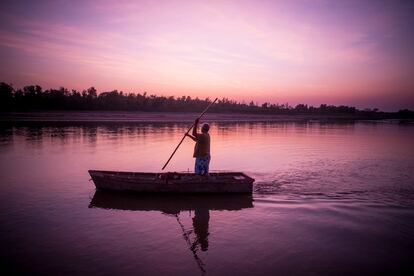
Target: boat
[{"x": 173, "y": 182}]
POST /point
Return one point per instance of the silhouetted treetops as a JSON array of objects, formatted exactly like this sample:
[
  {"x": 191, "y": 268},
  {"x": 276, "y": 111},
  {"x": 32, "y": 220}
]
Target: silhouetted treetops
[{"x": 33, "y": 97}]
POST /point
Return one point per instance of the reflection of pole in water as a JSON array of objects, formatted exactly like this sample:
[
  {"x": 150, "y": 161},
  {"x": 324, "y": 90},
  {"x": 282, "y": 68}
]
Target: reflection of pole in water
[{"x": 187, "y": 239}]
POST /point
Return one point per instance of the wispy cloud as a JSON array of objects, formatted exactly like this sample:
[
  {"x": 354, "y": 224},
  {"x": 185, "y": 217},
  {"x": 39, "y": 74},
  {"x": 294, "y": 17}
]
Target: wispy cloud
[{"x": 234, "y": 48}]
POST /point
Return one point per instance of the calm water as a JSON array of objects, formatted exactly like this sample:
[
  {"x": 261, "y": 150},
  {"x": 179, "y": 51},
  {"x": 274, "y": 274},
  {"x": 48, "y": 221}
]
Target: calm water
[{"x": 328, "y": 199}]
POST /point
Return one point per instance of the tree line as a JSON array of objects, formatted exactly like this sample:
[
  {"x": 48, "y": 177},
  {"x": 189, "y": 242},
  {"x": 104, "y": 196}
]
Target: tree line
[{"x": 33, "y": 97}]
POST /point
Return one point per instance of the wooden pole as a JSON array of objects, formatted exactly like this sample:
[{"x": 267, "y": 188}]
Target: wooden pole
[{"x": 182, "y": 139}]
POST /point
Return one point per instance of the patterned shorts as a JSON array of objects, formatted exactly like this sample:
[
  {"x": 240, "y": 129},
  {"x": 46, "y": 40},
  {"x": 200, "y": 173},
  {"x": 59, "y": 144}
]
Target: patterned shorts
[{"x": 201, "y": 165}]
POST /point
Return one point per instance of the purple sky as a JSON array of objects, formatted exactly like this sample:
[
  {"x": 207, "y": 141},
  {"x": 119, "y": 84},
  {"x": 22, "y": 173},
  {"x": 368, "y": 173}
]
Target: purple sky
[{"x": 356, "y": 53}]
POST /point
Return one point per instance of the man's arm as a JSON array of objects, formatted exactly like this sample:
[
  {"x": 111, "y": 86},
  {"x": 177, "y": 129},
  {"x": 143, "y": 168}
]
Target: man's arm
[
  {"x": 195, "y": 127},
  {"x": 192, "y": 137}
]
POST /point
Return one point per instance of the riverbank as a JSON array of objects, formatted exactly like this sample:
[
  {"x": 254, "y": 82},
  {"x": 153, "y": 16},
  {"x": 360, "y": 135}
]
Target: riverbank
[{"x": 140, "y": 117}]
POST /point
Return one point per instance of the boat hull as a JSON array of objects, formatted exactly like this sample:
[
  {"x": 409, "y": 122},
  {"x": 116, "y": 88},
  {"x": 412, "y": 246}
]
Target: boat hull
[{"x": 223, "y": 182}]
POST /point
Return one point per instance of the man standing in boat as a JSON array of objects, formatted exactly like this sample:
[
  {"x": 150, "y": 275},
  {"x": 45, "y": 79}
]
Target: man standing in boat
[{"x": 202, "y": 148}]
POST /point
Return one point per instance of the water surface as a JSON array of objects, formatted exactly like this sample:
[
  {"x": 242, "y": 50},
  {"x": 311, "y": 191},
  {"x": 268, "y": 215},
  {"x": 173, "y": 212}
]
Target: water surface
[{"x": 328, "y": 199}]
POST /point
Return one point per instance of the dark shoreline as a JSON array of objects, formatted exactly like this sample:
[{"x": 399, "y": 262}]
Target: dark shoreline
[{"x": 178, "y": 117}]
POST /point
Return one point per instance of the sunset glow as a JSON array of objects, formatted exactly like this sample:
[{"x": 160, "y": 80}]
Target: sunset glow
[{"x": 356, "y": 53}]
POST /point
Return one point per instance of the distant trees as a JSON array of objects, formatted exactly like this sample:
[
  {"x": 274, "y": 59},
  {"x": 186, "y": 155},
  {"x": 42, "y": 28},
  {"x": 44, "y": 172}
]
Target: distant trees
[
  {"x": 33, "y": 97},
  {"x": 405, "y": 113},
  {"x": 6, "y": 96}
]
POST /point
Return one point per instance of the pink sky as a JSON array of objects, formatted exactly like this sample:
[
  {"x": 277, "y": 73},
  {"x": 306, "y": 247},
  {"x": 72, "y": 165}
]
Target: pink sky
[{"x": 313, "y": 52}]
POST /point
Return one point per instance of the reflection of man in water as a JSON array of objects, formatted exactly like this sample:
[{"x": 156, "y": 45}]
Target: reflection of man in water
[
  {"x": 200, "y": 225},
  {"x": 202, "y": 148}
]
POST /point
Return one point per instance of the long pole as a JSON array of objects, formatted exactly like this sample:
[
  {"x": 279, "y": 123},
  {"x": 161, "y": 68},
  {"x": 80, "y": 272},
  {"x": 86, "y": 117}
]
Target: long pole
[{"x": 182, "y": 139}]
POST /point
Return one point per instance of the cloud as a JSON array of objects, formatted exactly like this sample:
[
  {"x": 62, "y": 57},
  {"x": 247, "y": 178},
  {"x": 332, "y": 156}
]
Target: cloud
[{"x": 241, "y": 47}]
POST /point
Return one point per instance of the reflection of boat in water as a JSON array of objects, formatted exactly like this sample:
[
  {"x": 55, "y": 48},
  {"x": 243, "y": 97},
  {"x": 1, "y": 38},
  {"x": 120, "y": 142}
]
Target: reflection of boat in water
[
  {"x": 174, "y": 204},
  {"x": 169, "y": 203},
  {"x": 218, "y": 182}
]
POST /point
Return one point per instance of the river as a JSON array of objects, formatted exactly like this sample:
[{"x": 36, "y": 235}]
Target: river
[{"x": 329, "y": 198}]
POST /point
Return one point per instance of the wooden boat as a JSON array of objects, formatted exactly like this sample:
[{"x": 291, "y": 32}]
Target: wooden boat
[{"x": 216, "y": 182}]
